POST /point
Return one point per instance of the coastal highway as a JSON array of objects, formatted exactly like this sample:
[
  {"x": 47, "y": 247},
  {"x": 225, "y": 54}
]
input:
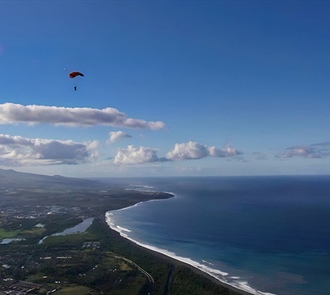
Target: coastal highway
[{"x": 148, "y": 275}]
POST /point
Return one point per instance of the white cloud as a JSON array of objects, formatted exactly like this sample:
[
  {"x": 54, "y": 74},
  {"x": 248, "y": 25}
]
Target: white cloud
[
  {"x": 194, "y": 150},
  {"x": 187, "y": 151},
  {"x": 227, "y": 151},
  {"x": 136, "y": 155},
  {"x": 19, "y": 151},
  {"x": 181, "y": 151},
  {"x": 319, "y": 150},
  {"x": 35, "y": 114},
  {"x": 115, "y": 136}
]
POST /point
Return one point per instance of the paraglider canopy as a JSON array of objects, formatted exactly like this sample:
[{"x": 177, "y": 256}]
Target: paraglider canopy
[{"x": 75, "y": 74}]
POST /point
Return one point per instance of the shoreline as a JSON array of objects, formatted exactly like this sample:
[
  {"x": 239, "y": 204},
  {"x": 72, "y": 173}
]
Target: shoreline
[{"x": 216, "y": 276}]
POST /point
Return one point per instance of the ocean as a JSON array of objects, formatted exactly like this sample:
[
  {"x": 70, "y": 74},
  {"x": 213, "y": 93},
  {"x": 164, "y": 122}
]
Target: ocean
[{"x": 264, "y": 235}]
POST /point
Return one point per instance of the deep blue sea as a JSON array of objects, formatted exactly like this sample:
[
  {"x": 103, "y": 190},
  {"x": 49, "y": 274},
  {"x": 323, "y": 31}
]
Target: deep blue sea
[{"x": 266, "y": 235}]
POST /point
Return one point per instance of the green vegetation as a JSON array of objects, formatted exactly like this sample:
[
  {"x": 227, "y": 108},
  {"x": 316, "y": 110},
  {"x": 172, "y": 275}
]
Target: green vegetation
[
  {"x": 103, "y": 267},
  {"x": 8, "y": 234},
  {"x": 34, "y": 232},
  {"x": 171, "y": 278},
  {"x": 98, "y": 261}
]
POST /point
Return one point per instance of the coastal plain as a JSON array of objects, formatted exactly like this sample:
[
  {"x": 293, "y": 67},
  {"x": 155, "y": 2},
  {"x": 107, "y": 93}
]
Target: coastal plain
[{"x": 34, "y": 259}]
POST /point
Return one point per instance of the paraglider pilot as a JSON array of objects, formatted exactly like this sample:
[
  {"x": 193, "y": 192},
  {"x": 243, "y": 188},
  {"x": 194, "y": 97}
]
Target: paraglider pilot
[{"x": 73, "y": 75}]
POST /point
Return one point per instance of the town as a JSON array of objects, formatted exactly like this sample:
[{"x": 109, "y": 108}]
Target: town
[{"x": 34, "y": 260}]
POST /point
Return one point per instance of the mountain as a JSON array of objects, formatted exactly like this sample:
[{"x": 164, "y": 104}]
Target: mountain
[{"x": 13, "y": 179}]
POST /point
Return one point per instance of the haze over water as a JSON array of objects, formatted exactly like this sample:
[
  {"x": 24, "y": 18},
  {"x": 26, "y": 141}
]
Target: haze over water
[{"x": 270, "y": 234}]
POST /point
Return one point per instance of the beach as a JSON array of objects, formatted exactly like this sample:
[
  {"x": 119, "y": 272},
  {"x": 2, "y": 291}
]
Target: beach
[
  {"x": 216, "y": 276},
  {"x": 197, "y": 271},
  {"x": 261, "y": 235}
]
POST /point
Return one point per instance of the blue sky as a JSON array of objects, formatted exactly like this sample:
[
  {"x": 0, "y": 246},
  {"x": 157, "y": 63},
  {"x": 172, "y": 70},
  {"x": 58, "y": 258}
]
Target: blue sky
[{"x": 171, "y": 88}]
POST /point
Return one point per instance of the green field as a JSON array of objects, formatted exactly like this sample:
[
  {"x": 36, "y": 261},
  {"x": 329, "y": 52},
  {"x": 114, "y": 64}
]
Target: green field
[{"x": 8, "y": 234}]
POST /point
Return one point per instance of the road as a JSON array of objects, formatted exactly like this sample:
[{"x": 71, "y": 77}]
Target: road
[{"x": 148, "y": 275}]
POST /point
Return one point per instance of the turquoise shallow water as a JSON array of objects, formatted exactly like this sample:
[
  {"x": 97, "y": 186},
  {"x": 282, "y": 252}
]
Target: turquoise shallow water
[{"x": 262, "y": 234}]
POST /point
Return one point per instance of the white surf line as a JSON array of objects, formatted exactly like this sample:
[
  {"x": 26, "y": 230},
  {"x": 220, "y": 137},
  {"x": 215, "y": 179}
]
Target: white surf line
[{"x": 215, "y": 273}]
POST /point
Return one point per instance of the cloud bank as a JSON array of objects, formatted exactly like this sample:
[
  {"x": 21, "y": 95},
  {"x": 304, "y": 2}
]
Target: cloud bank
[
  {"x": 19, "y": 151},
  {"x": 181, "y": 151},
  {"x": 35, "y": 114},
  {"x": 118, "y": 135},
  {"x": 319, "y": 150},
  {"x": 193, "y": 150}
]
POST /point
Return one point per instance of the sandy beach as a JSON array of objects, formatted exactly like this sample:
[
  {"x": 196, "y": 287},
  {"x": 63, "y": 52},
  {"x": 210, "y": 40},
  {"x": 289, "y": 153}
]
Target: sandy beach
[
  {"x": 197, "y": 271},
  {"x": 242, "y": 289}
]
